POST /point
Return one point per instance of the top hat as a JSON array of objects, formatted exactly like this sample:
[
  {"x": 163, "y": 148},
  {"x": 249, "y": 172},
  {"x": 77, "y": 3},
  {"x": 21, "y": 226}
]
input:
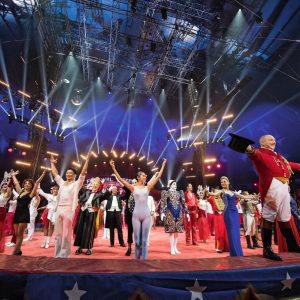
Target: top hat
[{"x": 239, "y": 143}]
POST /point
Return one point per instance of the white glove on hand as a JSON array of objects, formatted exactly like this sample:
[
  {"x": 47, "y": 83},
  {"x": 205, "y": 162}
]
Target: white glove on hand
[
  {"x": 188, "y": 217},
  {"x": 162, "y": 216}
]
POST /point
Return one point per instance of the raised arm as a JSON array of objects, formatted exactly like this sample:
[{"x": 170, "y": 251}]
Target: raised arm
[
  {"x": 119, "y": 178},
  {"x": 155, "y": 178},
  {"x": 53, "y": 161},
  {"x": 16, "y": 181},
  {"x": 37, "y": 184},
  {"x": 86, "y": 164}
]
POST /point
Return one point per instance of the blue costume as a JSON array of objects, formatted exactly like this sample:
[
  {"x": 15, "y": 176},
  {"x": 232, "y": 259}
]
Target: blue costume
[
  {"x": 232, "y": 223},
  {"x": 141, "y": 221}
]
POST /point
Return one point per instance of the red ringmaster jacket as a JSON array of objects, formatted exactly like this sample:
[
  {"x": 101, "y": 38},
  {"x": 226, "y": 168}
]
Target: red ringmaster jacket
[{"x": 270, "y": 164}]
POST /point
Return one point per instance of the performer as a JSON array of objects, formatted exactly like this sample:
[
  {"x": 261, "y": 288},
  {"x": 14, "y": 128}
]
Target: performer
[
  {"x": 209, "y": 213},
  {"x": 274, "y": 172},
  {"x": 66, "y": 204},
  {"x": 34, "y": 203},
  {"x": 203, "y": 227},
  {"x": 86, "y": 226},
  {"x": 295, "y": 213},
  {"x": 5, "y": 194},
  {"x": 105, "y": 230},
  {"x": 231, "y": 217},
  {"x": 113, "y": 216},
  {"x": 173, "y": 207},
  {"x": 10, "y": 218},
  {"x": 22, "y": 215},
  {"x": 48, "y": 215},
  {"x": 248, "y": 208},
  {"x": 221, "y": 237},
  {"x": 141, "y": 218},
  {"x": 151, "y": 205},
  {"x": 191, "y": 225}
]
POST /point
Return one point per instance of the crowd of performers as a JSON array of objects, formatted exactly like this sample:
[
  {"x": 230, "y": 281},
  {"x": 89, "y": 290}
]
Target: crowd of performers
[{"x": 75, "y": 210}]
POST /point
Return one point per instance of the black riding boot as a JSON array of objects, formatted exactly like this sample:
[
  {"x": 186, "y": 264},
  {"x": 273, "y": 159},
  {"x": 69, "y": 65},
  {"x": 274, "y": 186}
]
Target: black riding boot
[
  {"x": 268, "y": 251},
  {"x": 249, "y": 246},
  {"x": 255, "y": 243},
  {"x": 290, "y": 240}
]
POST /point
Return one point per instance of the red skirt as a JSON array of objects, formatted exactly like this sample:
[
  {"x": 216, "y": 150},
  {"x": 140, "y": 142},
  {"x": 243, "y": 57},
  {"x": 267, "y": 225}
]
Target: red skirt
[
  {"x": 2, "y": 226},
  {"x": 282, "y": 246},
  {"x": 44, "y": 216},
  {"x": 203, "y": 228},
  {"x": 9, "y": 224},
  {"x": 221, "y": 237}
]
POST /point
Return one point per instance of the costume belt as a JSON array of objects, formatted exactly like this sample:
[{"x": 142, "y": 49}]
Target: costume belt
[{"x": 282, "y": 179}]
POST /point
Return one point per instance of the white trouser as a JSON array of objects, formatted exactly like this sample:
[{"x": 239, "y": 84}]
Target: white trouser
[
  {"x": 63, "y": 231},
  {"x": 249, "y": 224},
  {"x": 277, "y": 202},
  {"x": 31, "y": 225}
]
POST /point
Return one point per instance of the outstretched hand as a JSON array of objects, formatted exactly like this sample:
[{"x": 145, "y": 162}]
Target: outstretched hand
[
  {"x": 14, "y": 173},
  {"x": 112, "y": 163}
]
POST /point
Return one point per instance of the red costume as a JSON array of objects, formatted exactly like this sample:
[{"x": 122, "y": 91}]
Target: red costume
[
  {"x": 191, "y": 226},
  {"x": 270, "y": 164}
]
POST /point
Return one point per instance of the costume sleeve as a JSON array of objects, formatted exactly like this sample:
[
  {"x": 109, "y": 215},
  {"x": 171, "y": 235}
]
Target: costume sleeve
[
  {"x": 48, "y": 197},
  {"x": 80, "y": 181},
  {"x": 59, "y": 180},
  {"x": 294, "y": 166},
  {"x": 163, "y": 203},
  {"x": 255, "y": 155},
  {"x": 131, "y": 203},
  {"x": 182, "y": 200}
]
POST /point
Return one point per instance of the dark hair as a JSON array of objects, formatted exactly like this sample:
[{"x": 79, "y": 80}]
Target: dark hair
[
  {"x": 72, "y": 169},
  {"x": 30, "y": 181},
  {"x": 54, "y": 186},
  {"x": 189, "y": 183},
  {"x": 139, "y": 173}
]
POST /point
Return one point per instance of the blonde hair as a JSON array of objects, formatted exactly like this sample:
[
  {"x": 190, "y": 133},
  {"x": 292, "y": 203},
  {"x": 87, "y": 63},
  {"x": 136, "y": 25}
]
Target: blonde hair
[{"x": 224, "y": 177}]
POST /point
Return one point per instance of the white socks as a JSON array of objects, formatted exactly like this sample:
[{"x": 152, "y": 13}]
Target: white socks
[{"x": 46, "y": 242}]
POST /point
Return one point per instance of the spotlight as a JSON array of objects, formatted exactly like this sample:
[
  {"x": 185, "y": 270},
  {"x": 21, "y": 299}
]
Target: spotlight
[
  {"x": 209, "y": 167},
  {"x": 24, "y": 153},
  {"x": 66, "y": 80},
  {"x": 164, "y": 13},
  {"x": 109, "y": 90},
  {"x": 10, "y": 149},
  {"x": 218, "y": 166},
  {"x": 76, "y": 100},
  {"x": 60, "y": 138},
  {"x": 23, "y": 163}
]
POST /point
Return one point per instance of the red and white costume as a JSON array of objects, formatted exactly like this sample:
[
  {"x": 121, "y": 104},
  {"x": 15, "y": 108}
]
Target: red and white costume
[
  {"x": 191, "y": 226},
  {"x": 274, "y": 172}
]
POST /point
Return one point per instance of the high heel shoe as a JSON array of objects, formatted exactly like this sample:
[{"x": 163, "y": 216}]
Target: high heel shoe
[{"x": 78, "y": 251}]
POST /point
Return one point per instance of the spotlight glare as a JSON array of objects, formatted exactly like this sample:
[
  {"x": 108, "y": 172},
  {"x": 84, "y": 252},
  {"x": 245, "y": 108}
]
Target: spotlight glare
[
  {"x": 105, "y": 153},
  {"x": 227, "y": 117},
  {"x": 23, "y": 163},
  {"x": 150, "y": 162},
  {"x": 24, "y": 94},
  {"x": 208, "y": 160},
  {"x": 123, "y": 153},
  {"x": 211, "y": 120},
  {"x": 83, "y": 156},
  {"x": 52, "y": 153},
  {"x": 154, "y": 169},
  {"x": 45, "y": 168},
  {"x": 76, "y": 164},
  {"x": 198, "y": 124},
  {"x": 171, "y": 130},
  {"x": 185, "y": 127},
  {"x": 94, "y": 154},
  {"x": 4, "y": 83},
  {"x": 22, "y": 144},
  {"x": 142, "y": 158},
  {"x": 190, "y": 176},
  {"x": 40, "y": 126},
  {"x": 187, "y": 163},
  {"x": 198, "y": 143},
  {"x": 210, "y": 175},
  {"x": 114, "y": 154},
  {"x": 218, "y": 166},
  {"x": 58, "y": 111},
  {"x": 132, "y": 156}
]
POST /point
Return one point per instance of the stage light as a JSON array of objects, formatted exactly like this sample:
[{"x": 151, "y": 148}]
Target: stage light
[
  {"x": 191, "y": 169},
  {"x": 94, "y": 154},
  {"x": 66, "y": 80},
  {"x": 211, "y": 121},
  {"x": 198, "y": 143},
  {"x": 42, "y": 103},
  {"x": 58, "y": 111},
  {"x": 187, "y": 163},
  {"x": 72, "y": 119},
  {"x": 142, "y": 158},
  {"x": 83, "y": 156},
  {"x": 40, "y": 126},
  {"x": 104, "y": 153},
  {"x": 208, "y": 160},
  {"x": 132, "y": 156},
  {"x": 76, "y": 164},
  {"x": 185, "y": 127},
  {"x": 131, "y": 164},
  {"x": 210, "y": 175},
  {"x": 209, "y": 167},
  {"x": 23, "y": 153},
  {"x": 123, "y": 153},
  {"x": 123, "y": 162},
  {"x": 114, "y": 154},
  {"x": 172, "y": 130},
  {"x": 4, "y": 83},
  {"x": 227, "y": 117},
  {"x": 24, "y": 94},
  {"x": 190, "y": 176},
  {"x": 150, "y": 162},
  {"x": 104, "y": 162},
  {"x": 23, "y": 163},
  {"x": 22, "y": 144},
  {"x": 255, "y": 184},
  {"x": 95, "y": 165},
  {"x": 10, "y": 149},
  {"x": 154, "y": 169},
  {"x": 198, "y": 124},
  {"x": 45, "y": 168},
  {"x": 218, "y": 166}
]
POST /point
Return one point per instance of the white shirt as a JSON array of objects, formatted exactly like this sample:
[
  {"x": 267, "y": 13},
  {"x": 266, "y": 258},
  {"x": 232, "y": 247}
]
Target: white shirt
[
  {"x": 114, "y": 205},
  {"x": 88, "y": 203},
  {"x": 206, "y": 206},
  {"x": 3, "y": 200},
  {"x": 68, "y": 192},
  {"x": 151, "y": 204},
  {"x": 49, "y": 197}
]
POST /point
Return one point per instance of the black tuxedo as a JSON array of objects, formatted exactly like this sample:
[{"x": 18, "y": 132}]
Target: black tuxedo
[{"x": 113, "y": 219}]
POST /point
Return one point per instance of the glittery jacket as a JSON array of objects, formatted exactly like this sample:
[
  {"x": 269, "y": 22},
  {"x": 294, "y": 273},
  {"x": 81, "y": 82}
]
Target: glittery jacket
[{"x": 270, "y": 164}]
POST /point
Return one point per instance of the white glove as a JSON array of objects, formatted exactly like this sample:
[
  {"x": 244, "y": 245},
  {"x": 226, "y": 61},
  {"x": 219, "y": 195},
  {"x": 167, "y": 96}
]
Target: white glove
[
  {"x": 188, "y": 217},
  {"x": 162, "y": 216}
]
